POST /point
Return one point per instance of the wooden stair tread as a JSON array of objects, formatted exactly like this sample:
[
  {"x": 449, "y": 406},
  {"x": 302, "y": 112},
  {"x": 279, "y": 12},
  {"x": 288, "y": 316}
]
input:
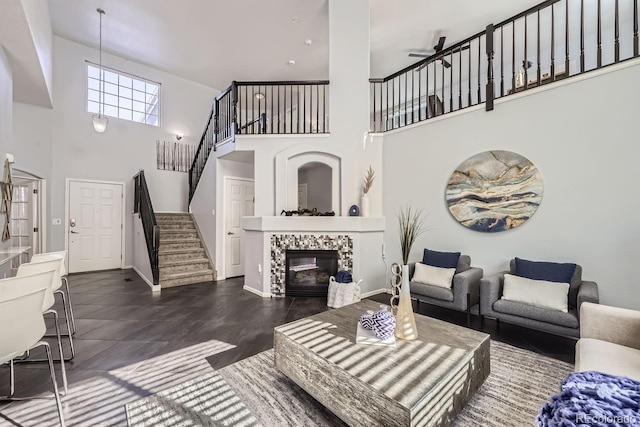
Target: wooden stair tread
[
  {"x": 179, "y": 251},
  {"x": 183, "y": 262},
  {"x": 185, "y": 274}
]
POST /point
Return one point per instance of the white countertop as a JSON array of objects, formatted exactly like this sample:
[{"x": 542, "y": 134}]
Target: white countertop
[
  {"x": 8, "y": 254},
  {"x": 356, "y": 224}
]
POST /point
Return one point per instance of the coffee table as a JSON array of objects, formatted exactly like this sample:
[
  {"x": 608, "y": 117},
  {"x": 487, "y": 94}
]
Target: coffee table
[{"x": 425, "y": 382}]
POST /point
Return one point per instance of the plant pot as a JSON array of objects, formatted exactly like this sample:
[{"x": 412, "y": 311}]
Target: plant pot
[{"x": 365, "y": 205}]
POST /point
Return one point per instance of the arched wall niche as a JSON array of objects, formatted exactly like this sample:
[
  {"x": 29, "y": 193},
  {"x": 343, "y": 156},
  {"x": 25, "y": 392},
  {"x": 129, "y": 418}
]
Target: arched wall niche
[{"x": 287, "y": 172}]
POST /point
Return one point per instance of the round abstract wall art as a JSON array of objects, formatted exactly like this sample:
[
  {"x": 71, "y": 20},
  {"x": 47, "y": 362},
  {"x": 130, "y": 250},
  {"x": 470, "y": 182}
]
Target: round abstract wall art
[{"x": 494, "y": 191}]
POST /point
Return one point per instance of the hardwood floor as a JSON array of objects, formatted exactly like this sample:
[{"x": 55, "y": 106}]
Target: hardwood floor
[{"x": 123, "y": 328}]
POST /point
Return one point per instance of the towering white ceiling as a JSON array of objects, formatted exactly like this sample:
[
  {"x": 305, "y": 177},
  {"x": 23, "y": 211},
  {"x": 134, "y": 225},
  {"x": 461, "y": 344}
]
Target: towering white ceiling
[{"x": 214, "y": 42}]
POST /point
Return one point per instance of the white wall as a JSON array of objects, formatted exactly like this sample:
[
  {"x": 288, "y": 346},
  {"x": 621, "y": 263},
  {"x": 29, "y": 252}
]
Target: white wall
[
  {"x": 582, "y": 135},
  {"x": 6, "y": 125},
  {"x": 318, "y": 180},
  {"x": 126, "y": 147},
  {"x": 207, "y": 205},
  {"x": 37, "y": 14}
]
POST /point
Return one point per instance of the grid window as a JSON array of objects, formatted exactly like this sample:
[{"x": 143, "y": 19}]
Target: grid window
[{"x": 122, "y": 96}]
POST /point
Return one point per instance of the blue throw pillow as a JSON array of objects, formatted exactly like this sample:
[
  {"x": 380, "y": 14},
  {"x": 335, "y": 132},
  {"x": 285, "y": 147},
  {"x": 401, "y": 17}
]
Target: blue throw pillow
[
  {"x": 343, "y": 276},
  {"x": 441, "y": 259},
  {"x": 549, "y": 271}
]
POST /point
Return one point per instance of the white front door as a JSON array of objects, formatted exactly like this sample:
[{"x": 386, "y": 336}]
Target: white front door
[
  {"x": 238, "y": 202},
  {"x": 95, "y": 226}
]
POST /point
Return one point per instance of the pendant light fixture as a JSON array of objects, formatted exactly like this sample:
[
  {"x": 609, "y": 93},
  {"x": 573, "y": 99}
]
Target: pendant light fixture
[{"x": 100, "y": 121}]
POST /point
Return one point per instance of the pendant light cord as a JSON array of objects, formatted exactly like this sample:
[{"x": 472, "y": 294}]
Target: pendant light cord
[{"x": 100, "y": 107}]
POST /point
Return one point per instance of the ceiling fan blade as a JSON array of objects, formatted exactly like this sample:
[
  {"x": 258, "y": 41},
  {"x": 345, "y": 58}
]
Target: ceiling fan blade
[
  {"x": 446, "y": 63},
  {"x": 419, "y": 55},
  {"x": 440, "y": 44}
]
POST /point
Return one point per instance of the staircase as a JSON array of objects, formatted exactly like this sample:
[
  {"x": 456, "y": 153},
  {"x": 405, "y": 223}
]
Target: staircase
[{"x": 182, "y": 258}]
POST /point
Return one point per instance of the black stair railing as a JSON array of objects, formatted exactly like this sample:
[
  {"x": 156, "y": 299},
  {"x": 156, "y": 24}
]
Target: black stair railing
[
  {"x": 271, "y": 107},
  {"x": 143, "y": 207},
  {"x": 551, "y": 41}
]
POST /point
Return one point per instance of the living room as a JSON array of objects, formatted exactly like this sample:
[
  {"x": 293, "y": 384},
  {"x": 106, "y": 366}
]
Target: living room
[{"x": 584, "y": 152}]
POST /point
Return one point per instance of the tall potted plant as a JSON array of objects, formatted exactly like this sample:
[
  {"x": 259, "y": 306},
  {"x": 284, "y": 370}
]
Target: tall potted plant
[{"x": 411, "y": 225}]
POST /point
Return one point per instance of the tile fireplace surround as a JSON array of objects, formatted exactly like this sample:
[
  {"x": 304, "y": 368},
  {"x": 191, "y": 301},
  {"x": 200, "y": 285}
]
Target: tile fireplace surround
[
  {"x": 358, "y": 241},
  {"x": 281, "y": 242}
]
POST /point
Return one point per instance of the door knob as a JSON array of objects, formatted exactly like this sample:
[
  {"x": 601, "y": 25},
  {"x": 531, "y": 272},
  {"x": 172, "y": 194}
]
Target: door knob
[
  {"x": 229, "y": 233},
  {"x": 74, "y": 232}
]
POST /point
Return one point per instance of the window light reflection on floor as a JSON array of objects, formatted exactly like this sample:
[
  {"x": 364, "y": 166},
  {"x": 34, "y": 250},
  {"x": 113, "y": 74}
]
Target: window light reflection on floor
[{"x": 100, "y": 400}]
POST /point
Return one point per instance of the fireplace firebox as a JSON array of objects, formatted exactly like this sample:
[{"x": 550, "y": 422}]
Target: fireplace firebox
[{"x": 308, "y": 271}]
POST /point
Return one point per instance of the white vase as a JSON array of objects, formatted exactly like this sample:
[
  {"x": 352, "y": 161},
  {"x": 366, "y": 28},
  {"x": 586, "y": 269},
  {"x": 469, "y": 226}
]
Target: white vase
[
  {"x": 405, "y": 320},
  {"x": 366, "y": 206}
]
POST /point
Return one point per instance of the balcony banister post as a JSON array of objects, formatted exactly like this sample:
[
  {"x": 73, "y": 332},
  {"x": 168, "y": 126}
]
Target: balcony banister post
[
  {"x": 490, "y": 54},
  {"x": 234, "y": 108}
]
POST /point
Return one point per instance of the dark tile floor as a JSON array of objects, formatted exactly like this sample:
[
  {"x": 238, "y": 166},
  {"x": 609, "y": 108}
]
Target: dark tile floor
[{"x": 121, "y": 323}]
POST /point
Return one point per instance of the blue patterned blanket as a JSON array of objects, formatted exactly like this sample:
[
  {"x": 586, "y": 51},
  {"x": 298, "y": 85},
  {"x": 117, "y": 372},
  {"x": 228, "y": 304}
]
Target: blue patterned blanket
[{"x": 593, "y": 399}]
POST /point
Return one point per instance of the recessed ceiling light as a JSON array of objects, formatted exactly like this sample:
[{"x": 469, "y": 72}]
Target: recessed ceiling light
[
  {"x": 308, "y": 42},
  {"x": 291, "y": 62},
  {"x": 295, "y": 19},
  {"x": 260, "y": 96}
]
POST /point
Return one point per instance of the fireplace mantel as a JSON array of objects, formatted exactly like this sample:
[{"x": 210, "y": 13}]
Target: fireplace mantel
[{"x": 313, "y": 224}]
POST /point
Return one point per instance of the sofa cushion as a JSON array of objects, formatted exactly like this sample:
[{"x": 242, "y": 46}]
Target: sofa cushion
[
  {"x": 441, "y": 259},
  {"x": 547, "y": 315},
  {"x": 603, "y": 356},
  {"x": 436, "y": 276},
  {"x": 539, "y": 293},
  {"x": 549, "y": 271},
  {"x": 576, "y": 281},
  {"x": 430, "y": 291}
]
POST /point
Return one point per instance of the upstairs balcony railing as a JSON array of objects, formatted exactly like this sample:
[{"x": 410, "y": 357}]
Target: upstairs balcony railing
[
  {"x": 246, "y": 108},
  {"x": 554, "y": 40}
]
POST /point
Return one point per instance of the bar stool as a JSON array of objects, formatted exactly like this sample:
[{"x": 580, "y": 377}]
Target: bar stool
[
  {"x": 47, "y": 256},
  {"x": 22, "y": 300}
]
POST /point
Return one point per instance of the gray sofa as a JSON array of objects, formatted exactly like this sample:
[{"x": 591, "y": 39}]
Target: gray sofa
[
  {"x": 464, "y": 292},
  {"x": 543, "y": 319}
]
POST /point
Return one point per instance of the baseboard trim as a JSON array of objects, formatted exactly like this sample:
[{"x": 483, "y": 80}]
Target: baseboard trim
[
  {"x": 154, "y": 288},
  {"x": 375, "y": 292},
  {"x": 127, "y": 267},
  {"x": 256, "y": 292}
]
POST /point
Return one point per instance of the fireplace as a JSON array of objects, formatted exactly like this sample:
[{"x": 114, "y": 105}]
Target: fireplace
[{"x": 307, "y": 272}]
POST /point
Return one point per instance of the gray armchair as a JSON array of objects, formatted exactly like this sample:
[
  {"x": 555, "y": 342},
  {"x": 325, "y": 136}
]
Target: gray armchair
[
  {"x": 464, "y": 292},
  {"x": 543, "y": 319}
]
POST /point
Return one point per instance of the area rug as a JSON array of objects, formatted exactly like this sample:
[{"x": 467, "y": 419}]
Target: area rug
[{"x": 520, "y": 382}]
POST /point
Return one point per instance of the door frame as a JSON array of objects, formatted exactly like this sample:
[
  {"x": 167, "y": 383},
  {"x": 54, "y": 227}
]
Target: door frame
[
  {"x": 223, "y": 226},
  {"x": 67, "y": 197}
]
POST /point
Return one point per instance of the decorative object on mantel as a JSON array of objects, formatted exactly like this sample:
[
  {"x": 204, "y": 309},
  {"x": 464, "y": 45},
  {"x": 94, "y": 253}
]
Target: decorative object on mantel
[
  {"x": 354, "y": 210},
  {"x": 494, "y": 191},
  {"x": 411, "y": 225},
  {"x": 307, "y": 212},
  {"x": 174, "y": 156},
  {"x": 7, "y": 196},
  {"x": 368, "y": 182}
]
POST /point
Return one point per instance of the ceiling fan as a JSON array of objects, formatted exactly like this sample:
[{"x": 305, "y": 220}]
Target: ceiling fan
[{"x": 436, "y": 49}]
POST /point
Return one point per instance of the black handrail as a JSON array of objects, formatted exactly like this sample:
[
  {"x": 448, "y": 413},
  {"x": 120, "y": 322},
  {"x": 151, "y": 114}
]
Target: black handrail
[
  {"x": 143, "y": 207},
  {"x": 553, "y": 40},
  {"x": 261, "y": 107}
]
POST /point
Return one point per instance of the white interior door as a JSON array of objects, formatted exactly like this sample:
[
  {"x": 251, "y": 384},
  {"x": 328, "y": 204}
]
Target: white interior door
[
  {"x": 95, "y": 226},
  {"x": 238, "y": 202}
]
